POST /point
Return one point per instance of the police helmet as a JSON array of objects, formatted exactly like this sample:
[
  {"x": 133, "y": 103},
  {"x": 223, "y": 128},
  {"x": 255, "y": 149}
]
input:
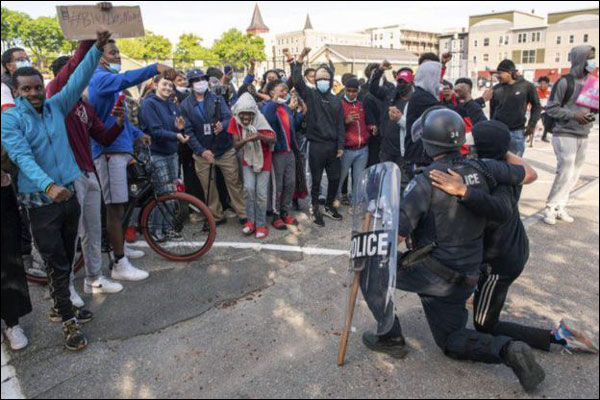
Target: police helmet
[{"x": 443, "y": 131}]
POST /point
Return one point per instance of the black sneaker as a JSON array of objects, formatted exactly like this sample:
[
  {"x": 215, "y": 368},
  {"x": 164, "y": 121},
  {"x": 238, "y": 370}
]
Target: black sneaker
[
  {"x": 75, "y": 340},
  {"x": 174, "y": 236},
  {"x": 80, "y": 314},
  {"x": 332, "y": 212},
  {"x": 345, "y": 200},
  {"x": 394, "y": 347},
  {"x": 317, "y": 218},
  {"x": 519, "y": 357}
]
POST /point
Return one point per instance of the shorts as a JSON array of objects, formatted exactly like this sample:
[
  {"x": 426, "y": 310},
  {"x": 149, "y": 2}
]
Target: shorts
[{"x": 112, "y": 172}]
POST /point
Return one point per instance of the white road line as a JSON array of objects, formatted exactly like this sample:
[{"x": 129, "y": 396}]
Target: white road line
[{"x": 312, "y": 251}]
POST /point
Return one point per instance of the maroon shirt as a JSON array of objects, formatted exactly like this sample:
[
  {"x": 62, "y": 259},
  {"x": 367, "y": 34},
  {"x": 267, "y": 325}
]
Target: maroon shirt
[{"x": 82, "y": 122}]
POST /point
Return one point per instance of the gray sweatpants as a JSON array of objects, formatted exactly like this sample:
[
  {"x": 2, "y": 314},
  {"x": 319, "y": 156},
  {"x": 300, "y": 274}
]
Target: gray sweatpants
[
  {"x": 570, "y": 155},
  {"x": 89, "y": 195},
  {"x": 284, "y": 166}
]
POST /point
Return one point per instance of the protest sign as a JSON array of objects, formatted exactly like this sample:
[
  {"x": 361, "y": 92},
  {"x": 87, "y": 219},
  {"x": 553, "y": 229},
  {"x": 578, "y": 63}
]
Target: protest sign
[{"x": 82, "y": 22}]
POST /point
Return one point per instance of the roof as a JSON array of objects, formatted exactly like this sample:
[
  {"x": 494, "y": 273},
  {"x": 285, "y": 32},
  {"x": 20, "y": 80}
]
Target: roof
[
  {"x": 357, "y": 53},
  {"x": 507, "y": 12},
  {"x": 308, "y": 24},
  {"x": 257, "y": 24}
]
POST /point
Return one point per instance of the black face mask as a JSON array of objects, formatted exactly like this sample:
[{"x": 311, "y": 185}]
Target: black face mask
[{"x": 403, "y": 89}]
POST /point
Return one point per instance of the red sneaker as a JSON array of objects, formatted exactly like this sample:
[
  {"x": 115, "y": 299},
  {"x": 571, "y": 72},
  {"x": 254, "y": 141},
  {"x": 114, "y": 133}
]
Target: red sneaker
[
  {"x": 248, "y": 228},
  {"x": 262, "y": 233},
  {"x": 279, "y": 224},
  {"x": 289, "y": 220}
]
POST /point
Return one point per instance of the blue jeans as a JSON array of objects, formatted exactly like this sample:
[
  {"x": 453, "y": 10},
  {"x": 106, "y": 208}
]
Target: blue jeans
[
  {"x": 357, "y": 159},
  {"x": 517, "y": 142},
  {"x": 256, "y": 192},
  {"x": 164, "y": 176}
]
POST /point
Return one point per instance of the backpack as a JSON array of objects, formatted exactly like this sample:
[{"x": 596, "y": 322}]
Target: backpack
[{"x": 548, "y": 121}]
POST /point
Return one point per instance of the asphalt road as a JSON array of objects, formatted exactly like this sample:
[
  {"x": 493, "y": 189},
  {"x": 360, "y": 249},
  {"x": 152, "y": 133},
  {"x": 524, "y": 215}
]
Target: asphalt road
[{"x": 245, "y": 323}]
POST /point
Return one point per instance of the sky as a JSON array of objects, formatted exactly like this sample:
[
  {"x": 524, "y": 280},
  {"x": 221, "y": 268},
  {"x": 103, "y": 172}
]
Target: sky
[{"x": 210, "y": 19}]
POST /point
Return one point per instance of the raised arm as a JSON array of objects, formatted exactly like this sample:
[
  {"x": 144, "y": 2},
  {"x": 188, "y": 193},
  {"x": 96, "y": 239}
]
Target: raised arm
[
  {"x": 297, "y": 79},
  {"x": 65, "y": 73},
  {"x": 374, "y": 86}
]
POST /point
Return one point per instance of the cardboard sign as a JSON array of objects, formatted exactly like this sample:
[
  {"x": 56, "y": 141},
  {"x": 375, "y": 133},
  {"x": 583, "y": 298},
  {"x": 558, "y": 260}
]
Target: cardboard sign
[{"x": 82, "y": 22}]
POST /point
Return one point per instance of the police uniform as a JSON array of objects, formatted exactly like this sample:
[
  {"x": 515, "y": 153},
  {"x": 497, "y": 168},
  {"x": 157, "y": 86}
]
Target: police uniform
[{"x": 445, "y": 265}]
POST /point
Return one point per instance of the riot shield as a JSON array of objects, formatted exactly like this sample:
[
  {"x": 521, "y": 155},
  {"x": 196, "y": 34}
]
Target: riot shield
[{"x": 375, "y": 240}]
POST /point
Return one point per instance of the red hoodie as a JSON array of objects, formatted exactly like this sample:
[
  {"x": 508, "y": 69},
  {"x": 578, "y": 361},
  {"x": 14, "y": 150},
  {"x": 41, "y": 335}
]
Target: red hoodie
[{"x": 357, "y": 134}]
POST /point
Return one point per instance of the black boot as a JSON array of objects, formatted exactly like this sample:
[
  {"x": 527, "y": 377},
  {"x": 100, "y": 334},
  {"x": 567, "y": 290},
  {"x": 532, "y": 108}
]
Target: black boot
[
  {"x": 394, "y": 347},
  {"x": 317, "y": 217},
  {"x": 519, "y": 357}
]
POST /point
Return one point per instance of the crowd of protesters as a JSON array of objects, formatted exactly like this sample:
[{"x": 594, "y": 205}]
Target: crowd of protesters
[{"x": 252, "y": 151}]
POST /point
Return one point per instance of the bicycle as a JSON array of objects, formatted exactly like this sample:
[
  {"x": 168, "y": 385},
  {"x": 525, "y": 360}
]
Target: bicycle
[{"x": 164, "y": 201}]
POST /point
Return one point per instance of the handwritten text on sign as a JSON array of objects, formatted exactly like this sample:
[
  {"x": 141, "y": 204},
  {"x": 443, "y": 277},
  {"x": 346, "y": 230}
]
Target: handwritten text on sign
[{"x": 82, "y": 22}]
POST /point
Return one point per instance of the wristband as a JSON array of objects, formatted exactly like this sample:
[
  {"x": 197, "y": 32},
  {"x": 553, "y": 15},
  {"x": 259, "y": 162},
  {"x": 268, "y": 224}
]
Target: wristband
[{"x": 48, "y": 188}]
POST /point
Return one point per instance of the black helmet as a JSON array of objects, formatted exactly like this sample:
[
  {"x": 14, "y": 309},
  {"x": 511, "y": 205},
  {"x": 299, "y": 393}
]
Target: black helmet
[{"x": 443, "y": 131}]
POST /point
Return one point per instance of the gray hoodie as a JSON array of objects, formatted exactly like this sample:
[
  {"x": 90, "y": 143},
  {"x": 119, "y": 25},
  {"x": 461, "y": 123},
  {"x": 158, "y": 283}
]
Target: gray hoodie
[
  {"x": 566, "y": 125},
  {"x": 429, "y": 78}
]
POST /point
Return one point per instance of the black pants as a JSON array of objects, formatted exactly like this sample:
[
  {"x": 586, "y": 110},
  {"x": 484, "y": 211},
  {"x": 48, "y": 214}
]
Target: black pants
[
  {"x": 488, "y": 303},
  {"x": 447, "y": 316},
  {"x": 15, "y": 292},
  {"x": 190, "y": 179},
  {"x": 26, "y": 241},
  {"x": 399, "y": 161},
  {"x": 374, "y": 150},
  {"x": 54, "y": 228},
  {"x": 323, "y": 157}
]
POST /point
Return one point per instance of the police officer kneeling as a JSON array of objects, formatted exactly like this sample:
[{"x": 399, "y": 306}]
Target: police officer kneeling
[{"x": 445, "y": 267}]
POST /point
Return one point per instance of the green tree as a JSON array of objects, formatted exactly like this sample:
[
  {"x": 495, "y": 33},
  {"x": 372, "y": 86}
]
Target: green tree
[
  {"x": 189, "y": 49},
  {"x": 42, "y": 36},
  {"x": 11, "y": 21},
  {"x": 149, "y": 47},
  {"x": 236, "y": 49}
]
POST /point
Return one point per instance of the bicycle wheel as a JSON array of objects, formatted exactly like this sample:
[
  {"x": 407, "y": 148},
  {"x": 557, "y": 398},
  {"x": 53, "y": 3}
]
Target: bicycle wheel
[{"x": 169, "y": 216}]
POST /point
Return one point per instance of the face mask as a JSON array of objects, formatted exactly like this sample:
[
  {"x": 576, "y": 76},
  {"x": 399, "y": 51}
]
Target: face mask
[
  {"x": 200, "y": 87},
  {"x": 348, "y": 100},
  {"x": 23, "y": 64},
  {"x": 182, "y": 89},
  {"x": 116, "y": 68},
  {"x": 403, "y": 89},
  {"x": 281, "y": 101},
  {"x": 591, "y": 66},
  {"x": 323, "y": 86}
]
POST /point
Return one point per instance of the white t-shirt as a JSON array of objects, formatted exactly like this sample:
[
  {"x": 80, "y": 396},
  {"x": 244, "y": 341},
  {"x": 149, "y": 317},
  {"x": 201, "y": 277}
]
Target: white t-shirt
[{"x": 7, "y": 97}]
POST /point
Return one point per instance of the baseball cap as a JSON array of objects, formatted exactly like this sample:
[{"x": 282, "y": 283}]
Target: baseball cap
[
  {"x": 405, "y": 75},
  {"x": 196, "y": 74}
]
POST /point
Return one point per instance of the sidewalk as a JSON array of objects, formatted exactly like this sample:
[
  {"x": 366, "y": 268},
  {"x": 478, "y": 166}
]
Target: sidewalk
[{"x": 243, "y": 323}]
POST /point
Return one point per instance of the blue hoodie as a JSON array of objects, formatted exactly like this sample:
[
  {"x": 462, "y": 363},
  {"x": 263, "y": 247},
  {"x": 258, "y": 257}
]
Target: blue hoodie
[
  {"x": 157, "y": 118},
  {"x": 38, "y": 143},
  {"x": 104, "y": 91}
]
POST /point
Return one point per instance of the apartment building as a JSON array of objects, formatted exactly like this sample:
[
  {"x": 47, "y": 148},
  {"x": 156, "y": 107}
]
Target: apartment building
[
  {"x": 399, "y": 38},
  {"x": 455, "y": 42}
]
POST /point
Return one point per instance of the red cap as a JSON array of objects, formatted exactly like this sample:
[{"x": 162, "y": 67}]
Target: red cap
[{"x": 406, "y": 75}]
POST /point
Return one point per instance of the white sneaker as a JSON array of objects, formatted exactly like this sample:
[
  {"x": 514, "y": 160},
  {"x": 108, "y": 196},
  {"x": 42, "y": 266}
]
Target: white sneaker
[
  {"x": 101, "y": 285},
  {"x": 132, "y": 253},
  {"x": 124, "y": 271},
  {"x": 16, "y": 337},
  {"x": 550, "y": 216},
  {"x": 75, "y": 298},
  {"x": 562, "y": 215}
]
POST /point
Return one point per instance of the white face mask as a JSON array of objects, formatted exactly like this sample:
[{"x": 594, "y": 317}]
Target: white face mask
[
  {"x": 182, "y": 89},
  {"x": 23, "y": 64},
  {"x": 281, "y": 100},
  {"x": 200, "y": 87}
]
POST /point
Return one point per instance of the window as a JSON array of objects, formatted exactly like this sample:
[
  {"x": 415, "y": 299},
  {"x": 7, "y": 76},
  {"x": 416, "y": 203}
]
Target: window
[
  {"x": 572, "y": 39},
  {"x": 558, "y": 39},
  {"x": 522, "y": 38},
  {"x": 586, "y": 38},
  {"x": 486, "y": 42},
  {"x": 506, "y": 40},
  {"x": 501, "y": 40},
  {"x": 392, "y": 46},
  {"x": 475, "y": 43},
  {"x": 381, "y": 36},
  {"x": 474, "y": 59},
  {"x": 528, "y": 57},
  {"x": 392, "y": 35},
  {"x": 557, "y": 58},
  {"x": 486, "y": 57},
  {"x": 536, "y": 37}
]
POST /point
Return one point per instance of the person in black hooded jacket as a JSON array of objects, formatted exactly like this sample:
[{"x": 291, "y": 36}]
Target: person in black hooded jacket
[{"x": 326, "y": 133}]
